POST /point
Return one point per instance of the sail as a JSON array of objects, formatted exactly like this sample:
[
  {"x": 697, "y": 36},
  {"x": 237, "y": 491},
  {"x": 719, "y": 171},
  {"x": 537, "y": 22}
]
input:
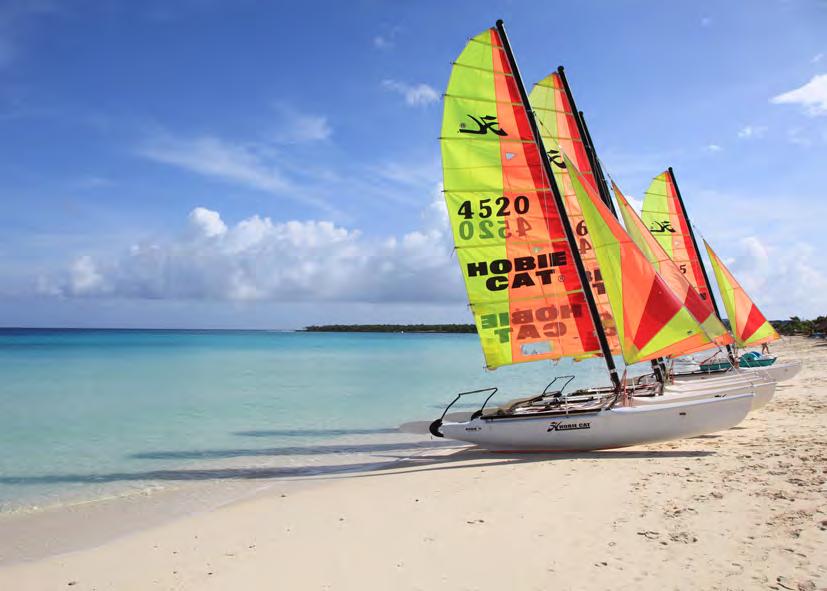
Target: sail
[
  {"x": 749, "y": 325},
  {"x": 652, "y": 321},
  {"x": 699, "y": 308},
  {"x": 558, "y": 129},
  {"x": 520, "y": 275},
  {"x": 666, "y": 219}
]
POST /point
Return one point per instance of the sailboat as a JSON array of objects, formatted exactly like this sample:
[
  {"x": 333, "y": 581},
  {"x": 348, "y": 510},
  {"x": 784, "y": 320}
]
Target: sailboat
[
  {"x": 563, "y": 129},
  {"x": 527, "y": 284},
  {"x": 665, "y": 216}
]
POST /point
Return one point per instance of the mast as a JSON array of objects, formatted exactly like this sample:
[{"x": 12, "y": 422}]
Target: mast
[
  {"x": 558, "y": 199},
  {"x": 602, "y": 187},
  {"x": 599, "y": 179},
  {"x": 700, "y": 260},
  {"x": 597, "y": 169}
]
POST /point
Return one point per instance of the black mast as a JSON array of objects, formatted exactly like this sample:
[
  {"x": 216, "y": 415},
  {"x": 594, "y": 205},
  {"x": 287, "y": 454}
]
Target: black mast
[
  {"x": 602, "y": 187},
  {"x": 700, "y": 260},
  {"x": 597, "y": 169},
  {"x": 558, "y": 199}
]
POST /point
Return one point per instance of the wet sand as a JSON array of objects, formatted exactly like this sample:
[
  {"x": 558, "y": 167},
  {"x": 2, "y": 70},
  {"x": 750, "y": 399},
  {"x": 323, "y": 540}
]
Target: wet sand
[{"x": 744, "y": 509}]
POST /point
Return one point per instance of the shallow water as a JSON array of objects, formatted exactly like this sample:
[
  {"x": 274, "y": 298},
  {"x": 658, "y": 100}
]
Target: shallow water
[{"x": 86, "y": 414}]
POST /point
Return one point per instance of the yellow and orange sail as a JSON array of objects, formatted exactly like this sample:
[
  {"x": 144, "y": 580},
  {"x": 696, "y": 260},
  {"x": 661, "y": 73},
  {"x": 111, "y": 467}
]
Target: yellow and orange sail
[
  {"x": 558, "y": 127},
  {"x": 652, "y": 321},
  {"x": 519, "y": 271},
  {"x": 666, "y": 219},
  {"x": 668, "y": 269},
  {"x": 749, "y": 325}
]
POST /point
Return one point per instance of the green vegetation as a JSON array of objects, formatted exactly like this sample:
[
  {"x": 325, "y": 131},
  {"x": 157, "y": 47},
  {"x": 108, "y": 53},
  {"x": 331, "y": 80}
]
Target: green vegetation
[
  {"x": 796, "y": 325},
  {"x": 447, "y": 328}
]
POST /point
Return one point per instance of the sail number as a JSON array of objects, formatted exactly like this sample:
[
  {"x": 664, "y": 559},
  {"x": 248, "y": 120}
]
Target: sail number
[
  {"x": 582, "y": 231},
  {"x": 487, "y": 228},
  {"x": 499, "y": 207}
]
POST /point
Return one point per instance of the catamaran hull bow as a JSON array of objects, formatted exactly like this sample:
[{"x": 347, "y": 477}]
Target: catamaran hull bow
[{"x": 602, "y": 429}]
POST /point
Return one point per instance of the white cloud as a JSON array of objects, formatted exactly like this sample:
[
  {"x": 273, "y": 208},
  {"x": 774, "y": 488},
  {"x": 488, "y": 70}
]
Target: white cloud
[
  {"x": 207, "y": 223},
  {"x": 752, "y": 132},
  {"x": 215, "y": 157},
  {"x": 714, "y": 148},
  {"x": 780, "y": 276},
  {"x": 812, "y": 96},
  {"x": 817, "y": 58},
  {"x": 415, "y": 94},
  {"x": 294, "y": 261},
  {"x": 84, "y": 277}
]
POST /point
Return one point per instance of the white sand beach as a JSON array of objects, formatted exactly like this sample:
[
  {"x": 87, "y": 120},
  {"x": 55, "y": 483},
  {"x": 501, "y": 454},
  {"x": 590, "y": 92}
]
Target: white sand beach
[{"x": 744, "y": 509}]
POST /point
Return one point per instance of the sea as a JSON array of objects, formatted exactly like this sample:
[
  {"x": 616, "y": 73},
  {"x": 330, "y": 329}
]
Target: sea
[{"x": 92, "y": 414}]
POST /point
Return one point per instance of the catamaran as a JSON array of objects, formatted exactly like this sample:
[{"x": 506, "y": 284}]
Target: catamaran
[
  {"x": 665, "y": 216},
  {"x": 563, "y": 127},
  {"x": 529, "y": 289}
]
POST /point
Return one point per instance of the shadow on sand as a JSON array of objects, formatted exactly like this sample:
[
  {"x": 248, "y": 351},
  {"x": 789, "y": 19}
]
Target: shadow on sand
[
  {"x": 389, "y": 465},
  {"x": 315, "y": 432}
]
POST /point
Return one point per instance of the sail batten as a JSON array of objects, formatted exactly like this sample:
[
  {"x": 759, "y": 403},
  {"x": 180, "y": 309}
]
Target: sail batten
[{"x": 519, "y": 270}]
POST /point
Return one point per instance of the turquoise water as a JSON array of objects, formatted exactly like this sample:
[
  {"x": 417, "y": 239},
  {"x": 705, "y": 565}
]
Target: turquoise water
[{"x": 86, "y": 413}]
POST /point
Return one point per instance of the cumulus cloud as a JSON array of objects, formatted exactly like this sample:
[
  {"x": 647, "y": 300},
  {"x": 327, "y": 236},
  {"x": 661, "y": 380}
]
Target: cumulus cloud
[
  {"x": 294, "y": 261},
  {"x": 812, "y": 96},
  {"x": 714, "y": 148},
  {"x": 207, "y": 223},
  {"x": 84, "y": 277},
  {"x": 776, "y": 275},
  {"x": 414, "y": 94}
]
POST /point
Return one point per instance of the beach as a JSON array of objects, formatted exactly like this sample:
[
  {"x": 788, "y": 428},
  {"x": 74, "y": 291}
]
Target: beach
[{"x": 744, "y": 509}]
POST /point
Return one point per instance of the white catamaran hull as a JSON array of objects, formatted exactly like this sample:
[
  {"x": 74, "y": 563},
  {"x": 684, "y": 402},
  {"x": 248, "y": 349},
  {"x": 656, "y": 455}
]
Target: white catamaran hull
[
  {"x": 779, "y": 371},
  {"x": 762, "y": 393},
  {"x": 603, "y": 429}
]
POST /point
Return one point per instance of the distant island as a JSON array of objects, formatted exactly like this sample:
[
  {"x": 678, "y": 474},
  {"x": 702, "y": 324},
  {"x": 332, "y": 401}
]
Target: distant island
[
  {"x": 793, "y": 326},
  {"x": 446, "y": 328}
]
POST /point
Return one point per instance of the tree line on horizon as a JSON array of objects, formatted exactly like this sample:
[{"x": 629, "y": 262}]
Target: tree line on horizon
[
  {"x": 447, "y": 328},
  {"x": 797, "y": 326},
  {"x": 793, "y": 326}
]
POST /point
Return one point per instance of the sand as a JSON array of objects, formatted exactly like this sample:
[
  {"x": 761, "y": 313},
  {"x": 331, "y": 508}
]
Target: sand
[{"x": 744, "y": 509}]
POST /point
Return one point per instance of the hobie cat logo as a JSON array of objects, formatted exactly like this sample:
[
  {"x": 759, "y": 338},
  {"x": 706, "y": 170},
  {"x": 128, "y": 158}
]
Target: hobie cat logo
[
  {"x": 556, "y": 158},
  {"x": 559, "y": 426},
  {"x": 485, "y": 124},
  {"x": 661, "y": 227}
]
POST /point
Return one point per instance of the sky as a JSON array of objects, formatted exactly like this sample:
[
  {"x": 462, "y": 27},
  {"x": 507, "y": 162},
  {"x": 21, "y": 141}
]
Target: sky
[{"x": 220, "y": 164}]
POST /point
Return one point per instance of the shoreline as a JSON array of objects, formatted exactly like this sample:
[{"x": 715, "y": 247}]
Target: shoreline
[{"x": 732, "y": 510}]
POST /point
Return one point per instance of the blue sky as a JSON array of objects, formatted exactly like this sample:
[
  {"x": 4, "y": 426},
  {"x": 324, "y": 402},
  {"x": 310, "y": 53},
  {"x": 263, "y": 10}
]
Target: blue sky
[{"x": 203, "y": 163}]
